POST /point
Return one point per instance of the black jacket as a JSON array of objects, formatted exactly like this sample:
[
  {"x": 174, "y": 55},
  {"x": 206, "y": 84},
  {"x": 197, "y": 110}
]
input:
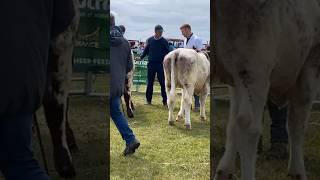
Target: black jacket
[{"x": 25, "y": 33}]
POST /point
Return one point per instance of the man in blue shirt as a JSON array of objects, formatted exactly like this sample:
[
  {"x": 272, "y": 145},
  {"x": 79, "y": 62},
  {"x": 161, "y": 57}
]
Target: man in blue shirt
[{"x": 157, "y": 48}]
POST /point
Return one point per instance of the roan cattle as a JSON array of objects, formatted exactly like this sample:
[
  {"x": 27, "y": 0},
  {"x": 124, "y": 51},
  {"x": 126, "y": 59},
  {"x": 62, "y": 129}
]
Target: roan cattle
[
  {"x": 56, "y": 95},
  {"x": 127, "y": 91},
  {"x": 189, "y": 70},
  {"x": 266, "y": 49}
]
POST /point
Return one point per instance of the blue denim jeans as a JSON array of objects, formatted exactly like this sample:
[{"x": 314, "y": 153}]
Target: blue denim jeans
[
  {"x": 120, "y": 121},
  {"x": 278, "y": 117},
  {"x": 16, "y": 154}
]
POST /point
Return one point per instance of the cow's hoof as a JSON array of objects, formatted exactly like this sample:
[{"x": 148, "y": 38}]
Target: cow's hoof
[
  {"x": 296, "y": 177},
  {"x": 202, "y": 119},
  {"x": 171, "y": 123},
  {"x": 130, "y": 114},
  {"x": 220, "y": 175},
  {"x": 188, "y": 126},
  {"x": 179, "y": 118},
  {"x": 67, "y": 172}
]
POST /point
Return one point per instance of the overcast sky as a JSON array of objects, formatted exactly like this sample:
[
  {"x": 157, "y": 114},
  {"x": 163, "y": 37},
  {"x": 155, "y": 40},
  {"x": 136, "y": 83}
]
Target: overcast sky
[{"x": 140, "y": 16}]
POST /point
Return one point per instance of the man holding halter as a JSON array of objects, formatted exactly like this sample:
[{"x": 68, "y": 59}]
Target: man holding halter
[{"x": 192, "y": 41}]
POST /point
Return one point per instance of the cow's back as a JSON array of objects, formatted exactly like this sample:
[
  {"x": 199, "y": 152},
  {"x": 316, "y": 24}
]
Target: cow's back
[
  {"x": 299, "y": 34},
  {"x": 259, "y": 38},
  {"x": 190, "y": 68}
]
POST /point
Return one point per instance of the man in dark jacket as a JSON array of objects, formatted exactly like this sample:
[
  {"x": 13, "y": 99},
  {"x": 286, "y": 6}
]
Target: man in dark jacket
[
  {"x": 157, "y": 48},
  {"x": 27, "y": 28},
  {"x": 120, "y": 64}
]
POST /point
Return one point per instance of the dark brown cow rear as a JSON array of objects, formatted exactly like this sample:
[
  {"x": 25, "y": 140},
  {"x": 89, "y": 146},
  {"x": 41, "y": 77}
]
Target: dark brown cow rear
[
  {"x": 127, "y": 91},
  {"x": 55, "y": 100}
]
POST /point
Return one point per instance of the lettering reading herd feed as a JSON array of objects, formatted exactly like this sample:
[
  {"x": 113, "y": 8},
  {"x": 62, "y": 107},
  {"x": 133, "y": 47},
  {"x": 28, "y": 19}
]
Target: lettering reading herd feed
[
  {"x": 266, "y": 49},
  {"x": 189, "y": 70}
]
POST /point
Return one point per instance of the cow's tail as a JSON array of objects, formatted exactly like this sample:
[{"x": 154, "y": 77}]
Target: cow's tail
[{"x": 172, "y": 77}]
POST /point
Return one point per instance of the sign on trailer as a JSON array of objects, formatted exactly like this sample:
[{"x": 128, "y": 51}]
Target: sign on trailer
[{"x": 91, "y": 48}]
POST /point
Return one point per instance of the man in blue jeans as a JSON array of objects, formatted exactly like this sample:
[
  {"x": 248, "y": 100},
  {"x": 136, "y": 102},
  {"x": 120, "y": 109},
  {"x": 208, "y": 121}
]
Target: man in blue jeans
[
  {"x": 157, "y": 48},
  {"x": 16, "y": 156},
  {"x": 120, "y": 64},
  {"x": 27, "y": 29}
]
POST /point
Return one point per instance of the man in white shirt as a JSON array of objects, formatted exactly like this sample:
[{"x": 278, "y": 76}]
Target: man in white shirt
[{"x": 192, "y": 41}]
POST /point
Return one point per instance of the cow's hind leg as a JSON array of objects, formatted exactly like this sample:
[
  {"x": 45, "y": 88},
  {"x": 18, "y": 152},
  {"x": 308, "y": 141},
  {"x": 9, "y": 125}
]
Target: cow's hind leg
[
  {"x": 249, "y": 127},
  {"x": 226, "y": 165},
  {"x": 55, "y": 101},
  {"x": 132, "y": 105},
  {"x": 187, "y": 101},
  {"x": 203, "y": 98},
  {"x": 301, "y": 100},
  {"x": 56, "y": 120},
  {"x": 171, "y": 103},
  {"x": 181, "y": 111},
  {"x": 298, "y": 114},
  {"x": 127, "y": 99},
  {"x": 244, "y": 127},
  {"x": 73, "y": 147}
]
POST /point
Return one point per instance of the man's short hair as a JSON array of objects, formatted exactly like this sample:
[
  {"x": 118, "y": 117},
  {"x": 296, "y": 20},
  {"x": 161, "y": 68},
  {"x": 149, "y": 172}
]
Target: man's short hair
[
  {"x": 123, "y": 29},
  {"x": 185, "y": 26}
]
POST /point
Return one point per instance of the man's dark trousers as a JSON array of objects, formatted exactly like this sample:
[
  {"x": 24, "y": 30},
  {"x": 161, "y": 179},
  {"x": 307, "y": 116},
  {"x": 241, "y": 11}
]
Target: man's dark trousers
[
  {"x": 153, "y": 69},
  {"x": 279, "y": 120},
  {"x": 16, "y": 157},
  {"x": 196, "y": 101}
]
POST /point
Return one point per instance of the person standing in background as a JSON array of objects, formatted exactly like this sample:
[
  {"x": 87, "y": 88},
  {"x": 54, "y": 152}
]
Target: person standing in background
[
  {"x": 157, "y": 48},
  {"x": 120, "y": 63},
  {"x": 171, "y": 46},
  {"x": 192, "y": 41}
]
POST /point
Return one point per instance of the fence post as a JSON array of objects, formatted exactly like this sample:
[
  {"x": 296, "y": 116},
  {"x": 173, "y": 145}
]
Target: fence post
[{"x": 88, "y": 83}]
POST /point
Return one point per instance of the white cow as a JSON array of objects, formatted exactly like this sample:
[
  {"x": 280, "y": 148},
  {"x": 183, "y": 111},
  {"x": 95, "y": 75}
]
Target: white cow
[
  {"x": 189, "y": 70},
  {"x": 266, "y": 49}
]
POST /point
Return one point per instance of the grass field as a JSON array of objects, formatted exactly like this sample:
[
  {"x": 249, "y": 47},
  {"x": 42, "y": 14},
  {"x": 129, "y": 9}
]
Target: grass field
[
  {"x": 271, "y": 169},
  {"x": 166, "y": 152}
]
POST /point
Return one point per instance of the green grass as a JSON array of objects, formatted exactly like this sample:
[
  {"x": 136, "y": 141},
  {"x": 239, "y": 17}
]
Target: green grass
[
  {"x": 271, "y": 169},
  {"x": 166, "y": 152}
]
